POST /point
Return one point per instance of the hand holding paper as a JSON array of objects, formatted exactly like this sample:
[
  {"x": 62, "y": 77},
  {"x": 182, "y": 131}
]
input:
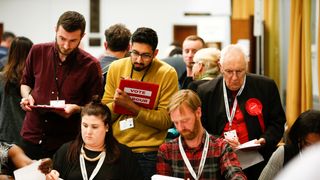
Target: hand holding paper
[
  {"x": 29, "y": 172},
  {"x": 67, "y": 111},
  {"x": 232, "y": 138},
  {"x": 122, "y": 99},
  {"x": 133, "y": 95},
  {"x": 250, "y": 145}
]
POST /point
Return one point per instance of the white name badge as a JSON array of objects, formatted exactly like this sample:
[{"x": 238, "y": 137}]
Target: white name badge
[
  {"x": 58, "y": 103},
  {"x": 230, "y": 134},
  {"x": 126, "y": 124}
]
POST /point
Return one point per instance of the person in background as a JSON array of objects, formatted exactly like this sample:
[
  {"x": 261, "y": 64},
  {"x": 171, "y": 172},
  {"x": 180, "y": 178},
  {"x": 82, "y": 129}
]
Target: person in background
[
  {"x": 12, "y": 157},
  {"x": 61, "y": 74},
  {"x": 6, "y": 40},
  {"x": 148, "y": 127},
  {"x": 195, "y": 154},
  {"x": 11, "y": 114},
  {"x": 304, "y": 132},
  {"x": 205, "y": 66},
  {"x": 305, "y": 166},
  {"x": 190, "y": 46},
  {"x": 116, "y": 45},
  {"x": 177, "y": 51},
  {"x": 174, "y": 50},
  {"x": 246, "y": 103},
  {"x": 174, "y": 58},
  {"x": 95, "y": 153}
]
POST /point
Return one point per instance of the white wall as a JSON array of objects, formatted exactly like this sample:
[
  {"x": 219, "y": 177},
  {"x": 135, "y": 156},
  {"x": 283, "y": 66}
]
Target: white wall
[{"x": 36, "y": 19}]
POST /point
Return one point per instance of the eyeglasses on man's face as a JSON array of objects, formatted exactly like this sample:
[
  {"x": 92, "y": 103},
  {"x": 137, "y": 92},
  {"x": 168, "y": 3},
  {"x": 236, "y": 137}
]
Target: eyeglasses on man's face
[
  {"x": 230, "y": 72},
  {"x": 144, "y": 56}
]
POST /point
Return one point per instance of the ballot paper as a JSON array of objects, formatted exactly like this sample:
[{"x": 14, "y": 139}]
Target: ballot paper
[
  {"x": 249, "y": 145},
  {"x": 248, "y": 154},
  {"x": 29, "y": 172},
  {"x": 249, "y": 158},
  {"x": 162, "y": 177}
]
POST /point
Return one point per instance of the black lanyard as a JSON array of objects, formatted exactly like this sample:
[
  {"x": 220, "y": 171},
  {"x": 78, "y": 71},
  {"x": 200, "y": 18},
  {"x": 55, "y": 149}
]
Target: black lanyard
[
  {"x": 64, "y": 76},
  {"x": 145, "y": 73}
]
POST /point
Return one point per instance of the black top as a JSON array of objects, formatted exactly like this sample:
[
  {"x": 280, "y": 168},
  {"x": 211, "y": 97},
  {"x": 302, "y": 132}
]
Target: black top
[
  {"x": 290, "y": 151},
  {"x": 185, "y": 80},
  {"x": 11, "y": 114},
  {"x": 194, "y": 84},
  {"x": 126, "y": 167}
]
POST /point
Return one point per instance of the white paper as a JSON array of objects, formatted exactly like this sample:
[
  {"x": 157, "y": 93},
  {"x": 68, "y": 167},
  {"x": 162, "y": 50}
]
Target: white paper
[
  {"x": 162, "y": 177},
  {"x": 248, "y": 145},
  {"x": 230, "y": 134},
  {"x": 58, "y": 103},
  {"x": 29, "y": 172},
  {"x": 248, "y": 158}
]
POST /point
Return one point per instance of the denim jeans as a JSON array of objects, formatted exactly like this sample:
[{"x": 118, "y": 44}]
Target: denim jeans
[{"x": 147, "y": 163}]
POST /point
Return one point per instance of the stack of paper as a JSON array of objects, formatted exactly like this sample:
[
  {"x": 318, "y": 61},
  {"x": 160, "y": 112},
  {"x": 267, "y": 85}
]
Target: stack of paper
[
  {"x": 248, "y": 145},
  {"x": 248, "y": 154},
  {"x": 29, "y": 172}
]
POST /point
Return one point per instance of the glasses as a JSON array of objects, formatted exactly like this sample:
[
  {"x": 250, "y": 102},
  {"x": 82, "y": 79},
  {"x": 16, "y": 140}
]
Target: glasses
[
  {"x": 144, "y": 56},
  {"x": 230, "y": 72}
]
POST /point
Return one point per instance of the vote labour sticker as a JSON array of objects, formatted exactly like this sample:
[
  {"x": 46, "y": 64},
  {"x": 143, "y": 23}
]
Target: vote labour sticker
[{"x": 141, "y": 92}]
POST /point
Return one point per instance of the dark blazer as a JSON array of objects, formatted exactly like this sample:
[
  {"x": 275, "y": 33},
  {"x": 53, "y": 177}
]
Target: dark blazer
[
  {"x": 214, "y": 116},
  {"x": 194, "y": 84}
]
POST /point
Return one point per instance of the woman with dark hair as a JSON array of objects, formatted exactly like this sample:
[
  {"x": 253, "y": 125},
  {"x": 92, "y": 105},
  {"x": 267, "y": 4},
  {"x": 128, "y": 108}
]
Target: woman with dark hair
[
  {"x": 304, "y": 132},
  {"x": 95, "y": 153},
  {"x": 11, "y": 114}
]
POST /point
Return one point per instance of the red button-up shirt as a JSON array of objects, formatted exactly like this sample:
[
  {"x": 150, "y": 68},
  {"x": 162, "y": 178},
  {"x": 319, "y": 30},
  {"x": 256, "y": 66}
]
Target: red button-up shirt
[{"x": 79, "y": 78}]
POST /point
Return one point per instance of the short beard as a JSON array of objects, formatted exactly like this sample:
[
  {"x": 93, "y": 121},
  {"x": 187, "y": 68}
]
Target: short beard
[
  {"x": 140, "y": 69},
  {"x": 65, "y": 54},
  {"x": 193, "y": 134}
]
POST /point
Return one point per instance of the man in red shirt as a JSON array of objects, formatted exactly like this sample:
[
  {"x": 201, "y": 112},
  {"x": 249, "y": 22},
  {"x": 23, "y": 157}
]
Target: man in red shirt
[
  {"x": 57, "y": 71},
  {"x": 246, "y": 104}
]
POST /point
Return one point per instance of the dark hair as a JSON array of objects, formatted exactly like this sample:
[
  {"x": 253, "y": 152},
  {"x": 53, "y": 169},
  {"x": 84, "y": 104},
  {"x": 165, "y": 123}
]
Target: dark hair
[
  {"x": 117, "y": 37},
  {"x": 96, "y": 108},
  {"x": 72, "y": 21},
  {"x": 7, "y": 35},
  {"x": 175, "y": 51},
  {"x": 145, "y": 35},
  {"x": 176, "y": 44},
  {"x": 307, "y": 122},
  {"x": 17, "y": 55}
]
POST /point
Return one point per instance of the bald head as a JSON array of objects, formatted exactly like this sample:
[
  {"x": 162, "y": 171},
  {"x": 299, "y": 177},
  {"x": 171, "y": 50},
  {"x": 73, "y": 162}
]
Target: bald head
[{"x": 233, "y": 64}]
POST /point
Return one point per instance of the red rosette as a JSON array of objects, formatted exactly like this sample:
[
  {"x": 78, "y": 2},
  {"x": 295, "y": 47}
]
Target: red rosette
[{"x": 254, "y": 107}]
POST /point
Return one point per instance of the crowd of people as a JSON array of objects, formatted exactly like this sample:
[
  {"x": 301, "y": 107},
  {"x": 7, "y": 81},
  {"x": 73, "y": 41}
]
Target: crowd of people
[{"x": 59, "y": 102}]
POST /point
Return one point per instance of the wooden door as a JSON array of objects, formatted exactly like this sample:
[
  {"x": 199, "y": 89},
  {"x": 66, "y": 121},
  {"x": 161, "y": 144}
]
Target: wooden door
[
  {"x": 243, "y": 29},
  {"x": 180, "y": 32}
]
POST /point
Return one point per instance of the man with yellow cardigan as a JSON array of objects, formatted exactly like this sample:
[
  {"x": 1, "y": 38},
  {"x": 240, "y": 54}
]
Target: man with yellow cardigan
[{"x": 145, "y": 130}]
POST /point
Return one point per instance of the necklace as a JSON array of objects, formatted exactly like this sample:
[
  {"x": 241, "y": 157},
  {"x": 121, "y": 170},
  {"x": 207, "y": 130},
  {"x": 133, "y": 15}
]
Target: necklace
[
  {"x": 90, "y": 159},
  {"x": 96, "y": 169}
]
